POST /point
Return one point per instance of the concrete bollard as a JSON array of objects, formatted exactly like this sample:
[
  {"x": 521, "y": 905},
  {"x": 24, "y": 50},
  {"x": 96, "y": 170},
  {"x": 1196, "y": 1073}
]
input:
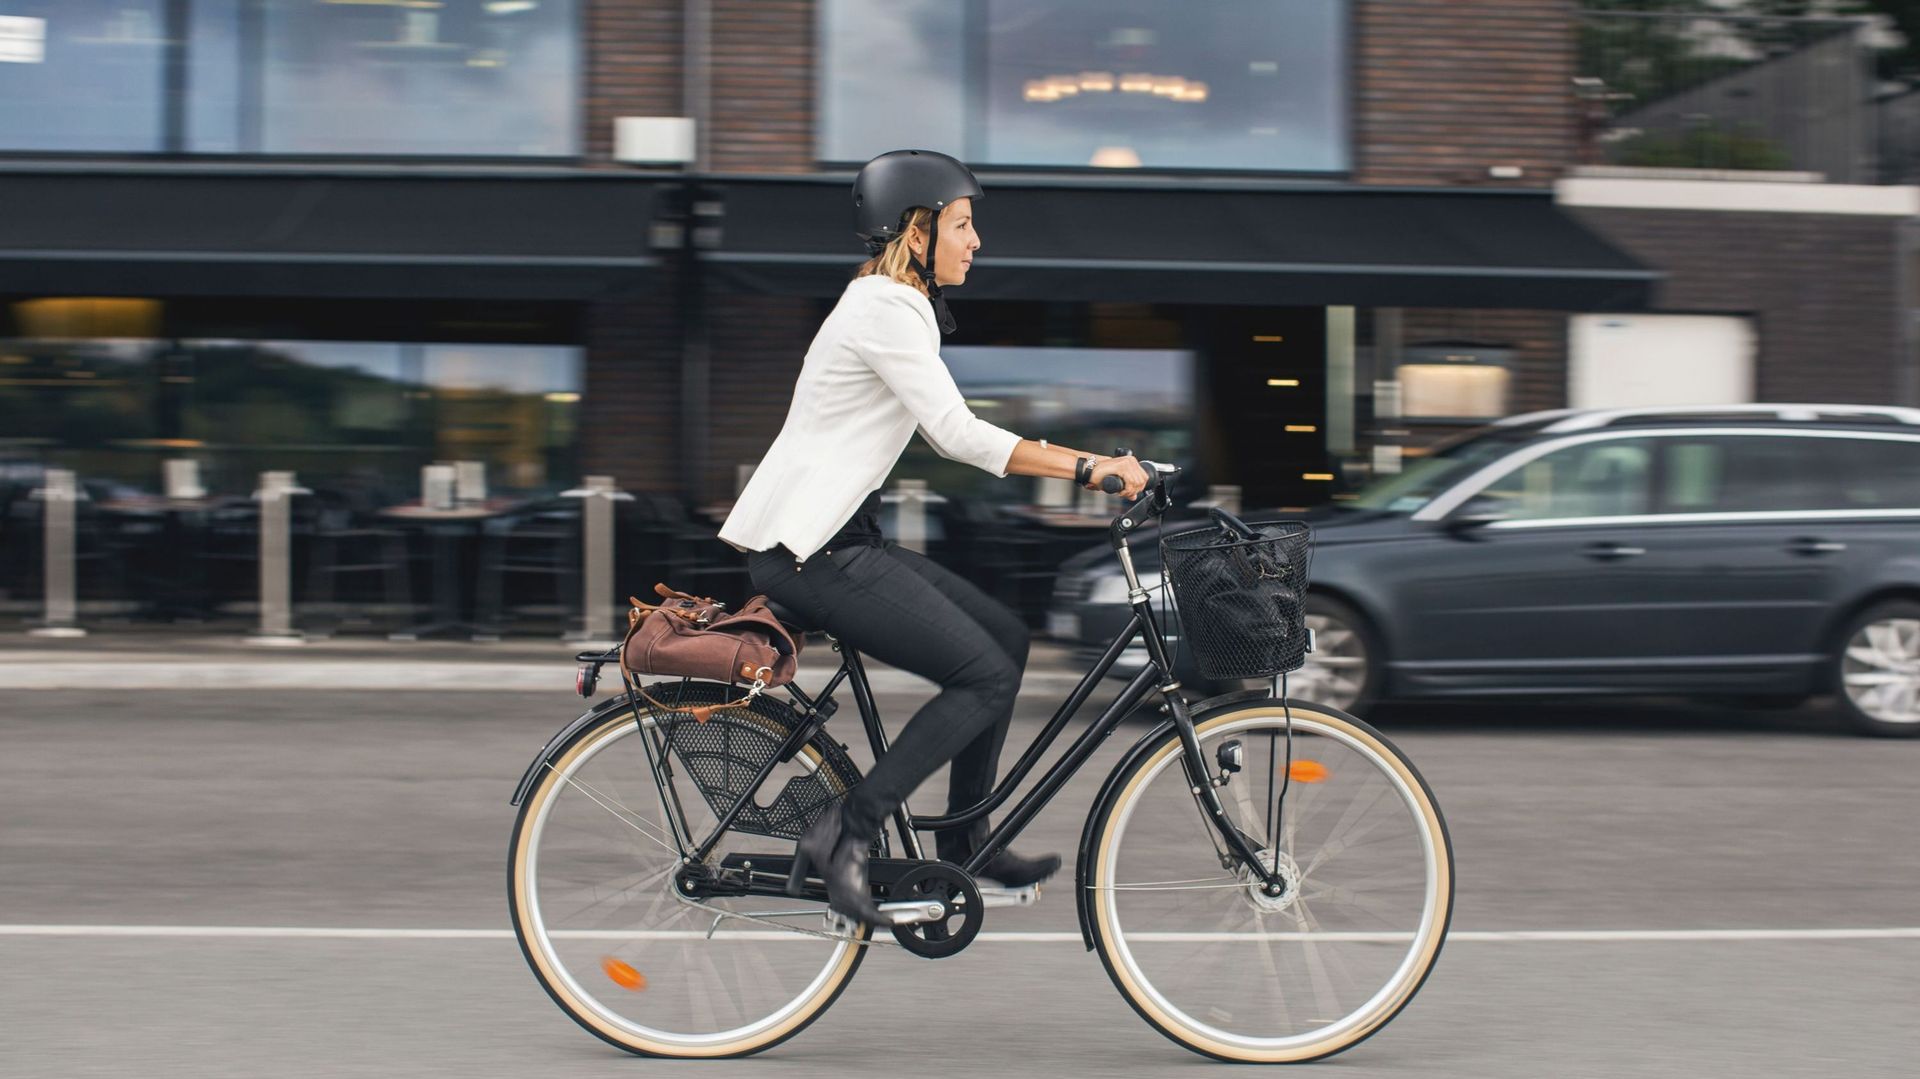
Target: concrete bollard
[
  {"x": 596, "y": 556},
  {"x": 59, "y": 492},
  {"x": 276, "y": 494},
  {"x": 910, "y": 529}
]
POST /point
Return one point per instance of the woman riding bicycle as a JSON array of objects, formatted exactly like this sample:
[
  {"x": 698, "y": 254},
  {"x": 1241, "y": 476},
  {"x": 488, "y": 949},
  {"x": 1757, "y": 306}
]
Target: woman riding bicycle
[{"x": 809, "y": 518}]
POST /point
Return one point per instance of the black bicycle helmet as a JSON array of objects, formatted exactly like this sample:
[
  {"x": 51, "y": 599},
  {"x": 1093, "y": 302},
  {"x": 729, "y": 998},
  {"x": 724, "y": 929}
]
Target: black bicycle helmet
[{"x": 887, "y": 190}]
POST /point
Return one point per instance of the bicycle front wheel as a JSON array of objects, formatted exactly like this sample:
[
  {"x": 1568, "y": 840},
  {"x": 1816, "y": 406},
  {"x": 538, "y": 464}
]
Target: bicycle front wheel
[
  {"x": 1241, "y": 971},
  {"x": 592, "y": 887}
]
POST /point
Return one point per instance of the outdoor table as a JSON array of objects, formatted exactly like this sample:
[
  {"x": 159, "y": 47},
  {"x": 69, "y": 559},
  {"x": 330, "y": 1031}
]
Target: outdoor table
[
  {"x": 447, "y": 527},
  {"x": 178, "y": 576}
]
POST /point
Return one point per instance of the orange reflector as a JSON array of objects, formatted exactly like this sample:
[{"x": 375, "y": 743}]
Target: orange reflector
[
  {"x": 622, "y": 974},
  {"x": 1307, "y": 771}
]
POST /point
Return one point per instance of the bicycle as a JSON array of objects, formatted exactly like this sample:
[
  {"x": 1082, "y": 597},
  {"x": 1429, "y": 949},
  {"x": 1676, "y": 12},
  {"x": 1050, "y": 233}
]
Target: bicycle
[{"x": 1274, "y": 914}]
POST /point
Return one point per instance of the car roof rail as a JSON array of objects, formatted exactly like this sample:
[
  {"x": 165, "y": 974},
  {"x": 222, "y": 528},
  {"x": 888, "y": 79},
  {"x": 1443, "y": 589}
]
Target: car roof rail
[
  {"x": 1528, "y": 418},
  {"x": 1590, "y": 420}
]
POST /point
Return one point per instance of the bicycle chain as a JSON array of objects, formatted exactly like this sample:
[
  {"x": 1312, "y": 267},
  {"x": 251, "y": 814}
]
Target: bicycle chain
[{"x": 823, "y": 935}]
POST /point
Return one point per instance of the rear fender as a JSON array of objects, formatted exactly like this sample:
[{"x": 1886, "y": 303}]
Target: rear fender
[{"x": 559, "y": 741}]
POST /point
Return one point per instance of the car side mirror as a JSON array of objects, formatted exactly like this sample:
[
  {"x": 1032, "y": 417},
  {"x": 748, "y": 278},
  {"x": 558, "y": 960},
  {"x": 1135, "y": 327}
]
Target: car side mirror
[{"x": 1477, "y": 513}]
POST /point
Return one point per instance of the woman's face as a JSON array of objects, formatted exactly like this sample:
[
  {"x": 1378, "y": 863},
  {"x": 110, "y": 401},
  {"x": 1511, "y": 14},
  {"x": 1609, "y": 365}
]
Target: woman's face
[{"x": 958, "y": 241}]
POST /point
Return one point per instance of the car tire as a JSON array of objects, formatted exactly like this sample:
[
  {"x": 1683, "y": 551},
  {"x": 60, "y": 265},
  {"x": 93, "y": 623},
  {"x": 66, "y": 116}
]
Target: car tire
[
  {"x": 1874, "y": 670},
  {"x": 1351, "y": 682},
  {"x": 1345, "y": 672}
]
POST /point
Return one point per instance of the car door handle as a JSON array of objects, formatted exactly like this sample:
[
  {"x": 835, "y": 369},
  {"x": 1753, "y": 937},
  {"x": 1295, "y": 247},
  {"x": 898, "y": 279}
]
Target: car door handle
[
  {"x": 1811, "y": 546},
  {"x": 1612, "y": 552}
]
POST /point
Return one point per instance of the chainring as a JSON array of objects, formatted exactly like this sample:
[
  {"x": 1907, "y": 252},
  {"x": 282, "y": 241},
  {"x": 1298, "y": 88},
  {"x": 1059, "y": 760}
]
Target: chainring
[{"x": 965, "y": 912}]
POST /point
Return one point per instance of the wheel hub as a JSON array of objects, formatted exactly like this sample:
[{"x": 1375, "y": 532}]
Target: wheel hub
[{"x": 1264, "y": 897}]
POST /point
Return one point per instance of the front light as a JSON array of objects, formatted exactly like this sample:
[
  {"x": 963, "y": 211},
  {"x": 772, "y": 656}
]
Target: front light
[{"x": 1114, "y": 589}]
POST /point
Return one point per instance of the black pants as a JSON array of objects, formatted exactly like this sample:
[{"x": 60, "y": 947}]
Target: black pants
[{"x": 907, "y": 611}]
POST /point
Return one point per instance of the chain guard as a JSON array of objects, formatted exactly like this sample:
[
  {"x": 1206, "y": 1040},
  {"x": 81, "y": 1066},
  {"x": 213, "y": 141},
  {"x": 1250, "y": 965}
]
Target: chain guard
[{"x": 965, "y": 911}]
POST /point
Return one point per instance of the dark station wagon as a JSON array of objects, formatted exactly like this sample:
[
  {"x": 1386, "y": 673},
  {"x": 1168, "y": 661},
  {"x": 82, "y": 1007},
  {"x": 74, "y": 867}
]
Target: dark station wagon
[{"x": 1761, "y": 552}]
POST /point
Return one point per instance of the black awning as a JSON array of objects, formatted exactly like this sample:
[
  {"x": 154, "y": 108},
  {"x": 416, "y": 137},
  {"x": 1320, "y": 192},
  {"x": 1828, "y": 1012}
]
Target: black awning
[
  {"x": 1278, "y": 245},
  {"x": 320, "y": 232}
]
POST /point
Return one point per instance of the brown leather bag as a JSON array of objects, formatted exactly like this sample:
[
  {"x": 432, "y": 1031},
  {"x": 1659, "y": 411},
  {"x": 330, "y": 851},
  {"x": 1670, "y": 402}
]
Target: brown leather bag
[{"x": 688, "y": 636}]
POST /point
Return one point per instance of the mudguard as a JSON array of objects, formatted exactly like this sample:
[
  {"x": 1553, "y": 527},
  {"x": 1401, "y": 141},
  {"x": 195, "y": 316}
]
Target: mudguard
[
  {"x": 1083, "y": 897},
  {"x": 559, "y": 741}
]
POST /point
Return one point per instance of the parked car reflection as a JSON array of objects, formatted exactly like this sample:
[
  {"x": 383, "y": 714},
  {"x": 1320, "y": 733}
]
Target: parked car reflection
[{"x": 1760, "y": 552}]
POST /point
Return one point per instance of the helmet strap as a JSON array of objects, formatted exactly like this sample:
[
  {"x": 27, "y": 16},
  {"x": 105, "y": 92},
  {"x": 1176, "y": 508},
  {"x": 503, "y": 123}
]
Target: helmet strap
[{"x": 940, "y": 313}]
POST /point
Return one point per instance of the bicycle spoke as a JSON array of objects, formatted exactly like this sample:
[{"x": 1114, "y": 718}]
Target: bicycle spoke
[
  {"x": 1267, "y": 969},
  {"x": 621, "y": 813},
  {"x": 633, "y": 955}
]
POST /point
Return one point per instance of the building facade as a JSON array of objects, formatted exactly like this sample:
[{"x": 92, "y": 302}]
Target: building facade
[{"x": 1287, "y": 244}]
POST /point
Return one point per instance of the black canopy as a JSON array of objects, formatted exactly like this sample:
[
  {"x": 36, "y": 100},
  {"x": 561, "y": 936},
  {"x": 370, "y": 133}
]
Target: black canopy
[
  {"x": 324, "y": 231},
  {"x": 1207, "y": 243}
]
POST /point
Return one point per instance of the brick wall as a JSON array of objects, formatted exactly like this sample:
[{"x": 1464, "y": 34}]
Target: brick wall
[
  {"x": 763, "y": 58},
  {"x": 1824, "y": 290},
  {"x": 1539, "y": 339},
  {"x": 757, "y": 344},
  {"x": 633, "y": 66},
  {"x": 1444, "y": 89},
  {"x": 629, "y": 428}
]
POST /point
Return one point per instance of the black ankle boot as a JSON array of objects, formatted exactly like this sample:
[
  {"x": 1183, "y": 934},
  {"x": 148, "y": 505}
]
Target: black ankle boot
[
  {"x": 838, "y": 855},
  {"x": 1006, "y": 868}
]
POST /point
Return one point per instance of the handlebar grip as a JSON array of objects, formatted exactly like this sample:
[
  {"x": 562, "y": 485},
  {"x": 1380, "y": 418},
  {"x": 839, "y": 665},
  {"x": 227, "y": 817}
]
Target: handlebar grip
[{"x": 1113, "y": 485}]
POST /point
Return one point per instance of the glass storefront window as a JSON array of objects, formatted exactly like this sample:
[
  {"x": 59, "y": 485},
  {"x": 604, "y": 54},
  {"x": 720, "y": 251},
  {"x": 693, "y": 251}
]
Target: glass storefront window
[
  {"x": 1225, "y": 84},
  {"x": 1092, "y": 399},
  {"x": 82, "y": 75},
  {"x": 499, "y": 78},
  {"x": 354, "y": 415}
]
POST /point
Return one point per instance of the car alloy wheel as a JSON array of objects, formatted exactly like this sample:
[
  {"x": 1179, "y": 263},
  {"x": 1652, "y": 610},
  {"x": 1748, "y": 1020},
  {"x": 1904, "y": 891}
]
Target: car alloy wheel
[
  {"x": 1337, "y": 671},
  {"x": 1880, "y": 670}
]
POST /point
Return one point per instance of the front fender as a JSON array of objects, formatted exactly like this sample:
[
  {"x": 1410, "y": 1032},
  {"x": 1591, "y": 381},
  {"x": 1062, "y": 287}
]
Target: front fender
[
  {"x": 559, "y": 741},
  {"x": 1201, "y": 711}
]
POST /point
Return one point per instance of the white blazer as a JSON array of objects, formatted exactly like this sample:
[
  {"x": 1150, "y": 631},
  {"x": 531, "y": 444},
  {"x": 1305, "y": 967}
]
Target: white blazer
[{"x": 872, "y": 375}]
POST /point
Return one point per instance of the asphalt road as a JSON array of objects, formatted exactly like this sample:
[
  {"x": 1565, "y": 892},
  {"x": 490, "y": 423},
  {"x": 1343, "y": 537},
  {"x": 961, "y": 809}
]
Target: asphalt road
[{"x": 241, "y": 809}]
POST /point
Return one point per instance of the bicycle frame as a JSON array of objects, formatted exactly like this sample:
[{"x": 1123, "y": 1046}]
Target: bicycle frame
[{"x": 1155, "y": 675}]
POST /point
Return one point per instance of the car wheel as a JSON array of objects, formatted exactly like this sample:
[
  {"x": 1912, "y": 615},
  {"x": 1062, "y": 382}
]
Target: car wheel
[
  {"x": 1344, "y": 673},
  {"x": 1876, "y": 669},
  {"x": 1344, "y": 669}
]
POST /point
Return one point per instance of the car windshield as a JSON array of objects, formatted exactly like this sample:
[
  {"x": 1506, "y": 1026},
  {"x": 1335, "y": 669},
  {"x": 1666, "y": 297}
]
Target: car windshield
[{"x": 1425, "y": 477}]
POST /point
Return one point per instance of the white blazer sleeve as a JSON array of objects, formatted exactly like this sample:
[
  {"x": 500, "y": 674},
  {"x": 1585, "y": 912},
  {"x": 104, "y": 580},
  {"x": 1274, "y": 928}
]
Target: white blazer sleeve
[{"x": 897, "y": 347}]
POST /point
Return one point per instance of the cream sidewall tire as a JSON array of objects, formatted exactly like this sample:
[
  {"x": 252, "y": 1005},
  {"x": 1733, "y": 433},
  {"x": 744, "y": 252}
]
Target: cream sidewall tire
[
  {"x": 793, "y": 1018},
  {"x": 1435, "y": 920}
]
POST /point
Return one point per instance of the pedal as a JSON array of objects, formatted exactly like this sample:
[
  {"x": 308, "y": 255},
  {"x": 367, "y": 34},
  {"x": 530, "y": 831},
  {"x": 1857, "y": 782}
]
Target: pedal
[{"x": 992, "y": 895}]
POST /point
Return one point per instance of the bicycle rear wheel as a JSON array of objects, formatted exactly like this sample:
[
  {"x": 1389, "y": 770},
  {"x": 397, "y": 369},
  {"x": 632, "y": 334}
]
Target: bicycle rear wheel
[
  {"x": 591, "y": 874},
  {"x": 1209, "y": 956}
]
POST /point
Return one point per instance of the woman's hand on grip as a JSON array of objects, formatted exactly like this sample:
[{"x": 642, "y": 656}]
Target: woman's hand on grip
[{"x": 1127, "y": 469}]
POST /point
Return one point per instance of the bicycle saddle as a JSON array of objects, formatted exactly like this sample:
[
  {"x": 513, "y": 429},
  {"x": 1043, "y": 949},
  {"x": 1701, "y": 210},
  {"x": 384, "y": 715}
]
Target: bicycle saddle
[{"x": 791, "y": 618}]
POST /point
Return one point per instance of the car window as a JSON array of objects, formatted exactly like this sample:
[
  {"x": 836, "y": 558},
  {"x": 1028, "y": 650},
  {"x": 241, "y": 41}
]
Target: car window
[
  {"x": 1605, "y": 478},
  {"x": 1758, "y": 473},
  {"x": 1425, "y": 477}
]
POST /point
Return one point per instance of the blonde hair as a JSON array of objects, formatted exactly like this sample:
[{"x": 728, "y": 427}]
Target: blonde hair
[{"x": 896, "y": 259}]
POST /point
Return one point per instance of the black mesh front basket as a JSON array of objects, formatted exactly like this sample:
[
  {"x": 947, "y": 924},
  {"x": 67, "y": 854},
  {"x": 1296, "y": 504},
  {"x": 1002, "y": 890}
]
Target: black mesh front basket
[
  {"x": 724, "y": 754},
  {"x": 1241, "y": 600}
]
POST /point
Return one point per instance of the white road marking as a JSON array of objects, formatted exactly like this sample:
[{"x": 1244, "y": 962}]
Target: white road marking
[{"x": 1526, "y": 936}]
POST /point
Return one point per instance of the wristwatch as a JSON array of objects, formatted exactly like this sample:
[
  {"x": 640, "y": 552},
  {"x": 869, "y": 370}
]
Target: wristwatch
[{"x": 1083, "y": 471}]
